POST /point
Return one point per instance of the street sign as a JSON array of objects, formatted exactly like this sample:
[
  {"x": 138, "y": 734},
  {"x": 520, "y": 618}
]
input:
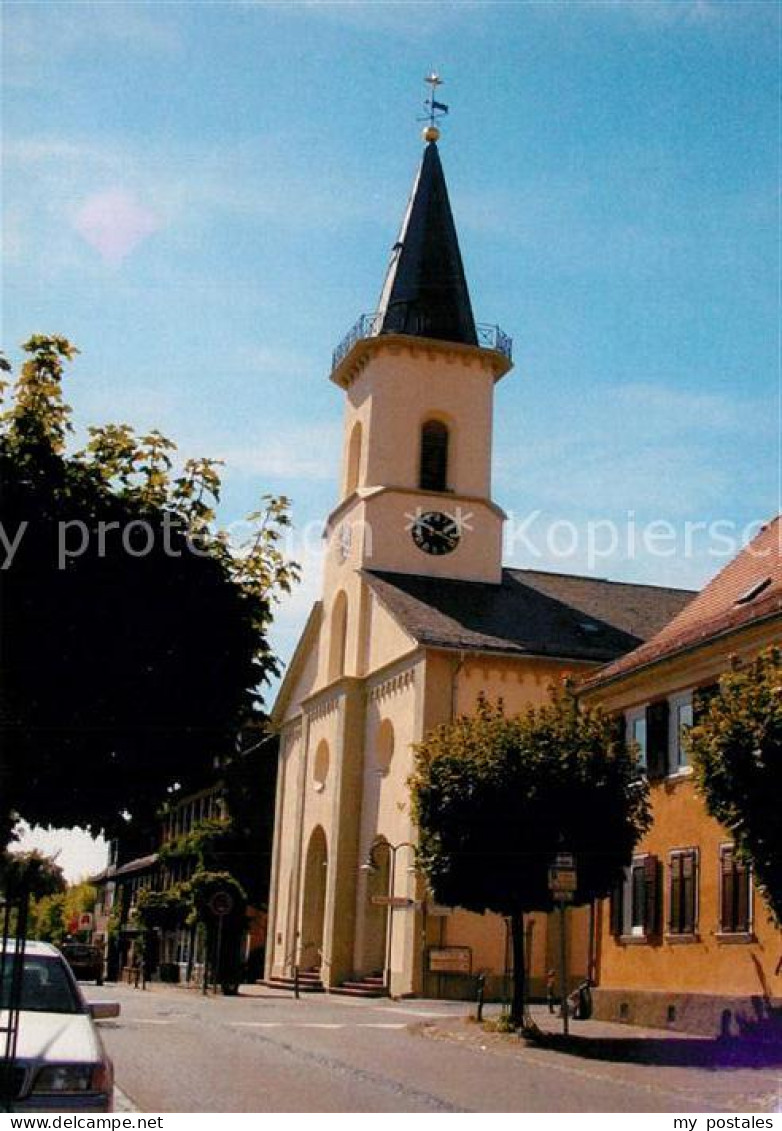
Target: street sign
[
  {"x": 563, "y": 896},
  {"x": 391, "y": 901},
  {"x": 221, "y": 903},
  {"x": 562, "y": 876},
  {"x": 450, "y": 960},
  {"x": 85, "y": 921}
]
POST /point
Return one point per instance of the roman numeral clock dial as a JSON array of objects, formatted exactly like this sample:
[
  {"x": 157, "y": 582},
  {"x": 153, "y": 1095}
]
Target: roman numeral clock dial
[{"x": 435, "y": 532}]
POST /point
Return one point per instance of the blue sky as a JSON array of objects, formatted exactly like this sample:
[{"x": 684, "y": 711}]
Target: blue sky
[{"x": 203, "y": 196}]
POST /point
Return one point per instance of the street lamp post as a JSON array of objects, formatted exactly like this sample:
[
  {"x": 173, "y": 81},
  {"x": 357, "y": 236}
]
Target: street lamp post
[{"x": 371, "y": 865}]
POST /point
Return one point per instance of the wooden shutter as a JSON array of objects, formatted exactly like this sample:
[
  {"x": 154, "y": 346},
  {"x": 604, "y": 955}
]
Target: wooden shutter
[
  {"x": 689, "y": 892},
  {"x": 638, "y": 893},
  {"x": 741, "y": 883},
  {"x": 652, "y": 895},
  {"x": 617, "y": 910},
  {"x": 657, "y": 739},
  {"x": 727, "y": 891}
]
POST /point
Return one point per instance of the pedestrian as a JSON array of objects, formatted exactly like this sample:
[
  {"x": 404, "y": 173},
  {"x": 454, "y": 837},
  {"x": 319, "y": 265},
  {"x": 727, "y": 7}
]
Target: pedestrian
[{"x": 550, "y": 977}]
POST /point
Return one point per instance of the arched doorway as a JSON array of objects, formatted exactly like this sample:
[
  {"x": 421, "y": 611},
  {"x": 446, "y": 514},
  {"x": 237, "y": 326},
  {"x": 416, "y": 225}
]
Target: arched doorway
[{"x": 314, "y": 904}]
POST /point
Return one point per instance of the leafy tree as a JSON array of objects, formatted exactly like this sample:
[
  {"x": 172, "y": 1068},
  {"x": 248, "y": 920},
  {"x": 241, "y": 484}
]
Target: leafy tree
[
  {"x": 31, "y": 872},
  {"x": 736, "y": 750},
  {"x": 134, "y": 631},
  {"x": 495, "y": 798}
]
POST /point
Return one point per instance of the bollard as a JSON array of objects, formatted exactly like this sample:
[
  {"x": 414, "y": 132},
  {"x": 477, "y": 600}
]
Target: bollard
[
  {"x": 479, "y": 998},
  {"x": 296, "y": 982}
]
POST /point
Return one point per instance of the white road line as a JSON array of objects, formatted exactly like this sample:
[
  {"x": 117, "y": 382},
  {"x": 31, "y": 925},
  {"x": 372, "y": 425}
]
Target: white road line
[
  {"x": 286, "y": 1025},
  {"x": 147, "y": 1021},
  {"x": 380, "y": 1025}
]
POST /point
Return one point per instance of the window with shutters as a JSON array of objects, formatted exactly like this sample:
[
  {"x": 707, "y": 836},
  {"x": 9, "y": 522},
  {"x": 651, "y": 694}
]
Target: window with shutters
[
  {"x": 683, "y": 892},
  {"x": 635, "y": 732},
  {"x": 680, "y": 721},
  {"x": 434, "y": 456},
  {"x": 735, "y": 893},
  {"x": 635, "y": 901}
]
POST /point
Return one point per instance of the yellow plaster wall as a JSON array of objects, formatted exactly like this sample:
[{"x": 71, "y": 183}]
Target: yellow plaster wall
[
  {"x": 708, "y": 965},
  {"x": 405, "y": 384}
]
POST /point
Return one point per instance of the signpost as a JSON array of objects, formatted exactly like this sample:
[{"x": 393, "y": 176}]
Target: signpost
[
  {"x": 392, "y": 901},
  {"x": 220, "y": 904},
  {"x": 562, "y": 882}
]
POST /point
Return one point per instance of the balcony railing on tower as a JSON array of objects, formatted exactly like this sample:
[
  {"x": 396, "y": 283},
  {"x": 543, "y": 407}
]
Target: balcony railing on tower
[{"x": 369, "y": 326}]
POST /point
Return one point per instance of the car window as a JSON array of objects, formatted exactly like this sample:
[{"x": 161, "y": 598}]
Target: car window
[{"x": 46, "y": 987}]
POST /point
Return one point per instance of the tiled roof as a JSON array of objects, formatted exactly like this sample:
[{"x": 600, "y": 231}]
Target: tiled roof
[
  {"x": 747, "y": 590},
  {"x": 529, "y": 613}
]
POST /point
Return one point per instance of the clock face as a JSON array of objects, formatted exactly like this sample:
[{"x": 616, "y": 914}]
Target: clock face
[{"x": 436, "y": 533}]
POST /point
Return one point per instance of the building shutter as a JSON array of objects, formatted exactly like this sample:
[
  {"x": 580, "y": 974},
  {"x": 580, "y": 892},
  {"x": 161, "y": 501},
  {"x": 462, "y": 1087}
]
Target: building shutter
[
  {"x": 652, "y": 895},
  {"x": 675, "y": 908},
  {"x": 741, "y": 882},
  {"x": 728, "y": 891},
  {"x": 657, "y": 739},
  {"x": 688, "y": 896},
  {"x": 616, "y": 910}
]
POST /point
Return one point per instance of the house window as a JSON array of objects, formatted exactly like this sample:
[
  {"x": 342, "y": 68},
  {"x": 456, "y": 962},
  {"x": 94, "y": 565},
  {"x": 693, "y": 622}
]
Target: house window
[
  {"x": 434, "y": 456},
  {"x": 635, "y": 901},
  {"x": 683, "y": 892},
  {"x": 735, "y": 893},
  {"x": 636, "y": 734},
  {"x": 681, "y": 719}
]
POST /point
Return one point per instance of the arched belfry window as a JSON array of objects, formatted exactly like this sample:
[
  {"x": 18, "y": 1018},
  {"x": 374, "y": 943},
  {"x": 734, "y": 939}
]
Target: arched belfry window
[
  {"x": 353, "y": 466},
  {"x": 434, "y": 456}
]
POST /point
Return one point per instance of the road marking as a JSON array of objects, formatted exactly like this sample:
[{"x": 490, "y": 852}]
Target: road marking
[
  {"x": 288, "y": 1024},
  {"x": 147, "y": 1021},
  {"x": 380, "y": 1025}
]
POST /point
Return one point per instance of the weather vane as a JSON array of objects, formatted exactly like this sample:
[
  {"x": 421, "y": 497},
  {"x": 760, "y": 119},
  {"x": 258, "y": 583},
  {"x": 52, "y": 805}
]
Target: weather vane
[{"x": 434, "y": 109}]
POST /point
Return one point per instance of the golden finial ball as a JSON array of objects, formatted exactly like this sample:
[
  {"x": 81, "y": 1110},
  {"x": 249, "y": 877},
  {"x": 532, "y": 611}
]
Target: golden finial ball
[{"x": 431, "y": 133}]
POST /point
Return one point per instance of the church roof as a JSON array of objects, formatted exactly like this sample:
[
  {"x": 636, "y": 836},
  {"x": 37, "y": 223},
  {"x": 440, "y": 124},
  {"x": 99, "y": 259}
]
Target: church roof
[
  {"x": 529, "y": 613},
  {"x": 425, "y": 291}
]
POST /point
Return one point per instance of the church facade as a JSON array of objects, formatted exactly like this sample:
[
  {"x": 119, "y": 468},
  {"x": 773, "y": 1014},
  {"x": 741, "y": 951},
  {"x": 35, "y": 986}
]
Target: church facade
[{"x": 417, "y": 619}]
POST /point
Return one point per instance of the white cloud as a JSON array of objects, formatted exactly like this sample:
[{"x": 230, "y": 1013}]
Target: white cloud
[{"x": 114, "y": 223}]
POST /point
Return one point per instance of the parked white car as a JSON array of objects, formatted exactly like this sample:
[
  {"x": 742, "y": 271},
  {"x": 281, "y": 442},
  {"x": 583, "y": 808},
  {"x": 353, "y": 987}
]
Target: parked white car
[{"x": 60, "y": 1063}]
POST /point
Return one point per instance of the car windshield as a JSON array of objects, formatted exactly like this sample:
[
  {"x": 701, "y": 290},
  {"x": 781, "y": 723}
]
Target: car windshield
[{"x": 46, "y": 986}]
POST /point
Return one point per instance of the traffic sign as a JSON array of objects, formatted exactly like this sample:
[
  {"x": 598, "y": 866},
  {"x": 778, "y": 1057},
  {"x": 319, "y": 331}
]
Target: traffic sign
[
  {"x": 221, "y": 903},
  {"x": 391, "y": 901}
]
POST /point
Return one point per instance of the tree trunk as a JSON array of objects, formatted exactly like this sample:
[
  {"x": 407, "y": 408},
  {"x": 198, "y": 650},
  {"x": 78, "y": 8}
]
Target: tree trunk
[{"x": 519, "y": 972}]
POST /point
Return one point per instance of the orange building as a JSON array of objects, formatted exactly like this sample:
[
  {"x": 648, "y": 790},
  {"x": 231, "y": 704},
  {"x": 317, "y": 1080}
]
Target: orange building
[{"x": 687, "y": 941}]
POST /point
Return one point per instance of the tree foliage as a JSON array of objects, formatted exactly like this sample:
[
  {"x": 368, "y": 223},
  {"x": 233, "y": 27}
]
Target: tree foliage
[
  {"x": 31, "y": 872},
  {"x": 495, "y": 798},
  {"x": 736, "y": 750},
  {"x": 134, "y": 629}
]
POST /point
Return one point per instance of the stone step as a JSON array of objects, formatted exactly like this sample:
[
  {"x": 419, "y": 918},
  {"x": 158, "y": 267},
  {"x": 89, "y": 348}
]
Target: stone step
[{"x": 307, "y": 985}]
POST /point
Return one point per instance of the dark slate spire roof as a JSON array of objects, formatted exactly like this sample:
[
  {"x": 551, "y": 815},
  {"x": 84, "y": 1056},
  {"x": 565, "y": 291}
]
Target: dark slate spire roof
[{"x": 425, "y": 291}]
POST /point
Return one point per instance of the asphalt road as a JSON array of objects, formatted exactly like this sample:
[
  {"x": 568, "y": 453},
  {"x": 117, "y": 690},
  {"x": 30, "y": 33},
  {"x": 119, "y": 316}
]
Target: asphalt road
[{"x": 177, "y": 1051}]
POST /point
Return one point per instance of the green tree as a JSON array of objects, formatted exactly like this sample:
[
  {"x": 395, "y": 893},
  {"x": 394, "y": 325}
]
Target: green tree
[
  {"x": 495, "y": 798},
  {"x": 134, "y": 629},
  {"x": 736, "y": 750},
  {"x": 31, "y": 872}
]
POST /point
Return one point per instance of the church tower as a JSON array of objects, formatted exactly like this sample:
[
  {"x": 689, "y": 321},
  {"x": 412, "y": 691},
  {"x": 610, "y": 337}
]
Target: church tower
[
  {"x": 418, "y": 377},
  {"x": 417, "y": 620}
]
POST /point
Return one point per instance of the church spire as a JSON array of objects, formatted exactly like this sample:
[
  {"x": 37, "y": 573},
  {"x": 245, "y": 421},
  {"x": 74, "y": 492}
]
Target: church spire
[{"x": 425, "y": 291}]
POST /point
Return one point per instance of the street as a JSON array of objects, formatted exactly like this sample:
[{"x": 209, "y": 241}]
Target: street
[{"x": 175, "y": 1050}]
